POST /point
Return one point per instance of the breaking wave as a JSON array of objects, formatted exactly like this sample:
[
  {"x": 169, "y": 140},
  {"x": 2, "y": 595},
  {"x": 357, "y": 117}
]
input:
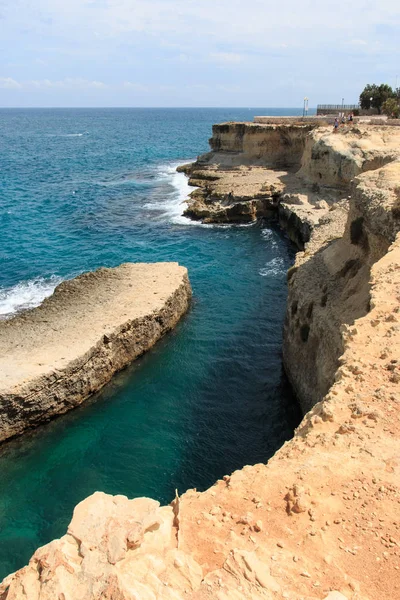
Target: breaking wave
[{"x": 26, "y": 294}]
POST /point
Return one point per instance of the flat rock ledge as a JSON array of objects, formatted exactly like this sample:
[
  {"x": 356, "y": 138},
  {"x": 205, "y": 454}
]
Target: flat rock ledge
[{"x": 55, "y": 356}]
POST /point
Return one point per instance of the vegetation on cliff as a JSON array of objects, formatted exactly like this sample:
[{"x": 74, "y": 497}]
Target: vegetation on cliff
[{"x": 381, "y": 97}]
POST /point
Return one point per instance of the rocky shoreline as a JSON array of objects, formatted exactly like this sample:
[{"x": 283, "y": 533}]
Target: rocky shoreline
[
  {"x": 320, "y": 187},
  {"x": 294, "y": 174},
  {"x": 320, "y": 519},
  {"x": 55, "y": 356}
]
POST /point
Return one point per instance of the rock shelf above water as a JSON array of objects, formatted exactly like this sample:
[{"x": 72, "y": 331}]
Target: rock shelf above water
[{"x": 55, "y": 356}]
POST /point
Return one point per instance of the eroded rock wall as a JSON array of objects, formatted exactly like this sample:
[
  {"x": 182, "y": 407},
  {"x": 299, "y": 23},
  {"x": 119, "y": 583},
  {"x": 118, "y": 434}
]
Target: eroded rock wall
[
  {"x": 354, "y": 169},
  {"x": 334, "y": 159},
  {"x": 329, "y": 286},
  {"x": 276, "y": 146}
]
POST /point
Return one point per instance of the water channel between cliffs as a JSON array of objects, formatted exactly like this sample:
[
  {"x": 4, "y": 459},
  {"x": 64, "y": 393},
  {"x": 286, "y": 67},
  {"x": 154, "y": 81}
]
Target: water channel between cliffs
[{"x": 209, "y": 398}]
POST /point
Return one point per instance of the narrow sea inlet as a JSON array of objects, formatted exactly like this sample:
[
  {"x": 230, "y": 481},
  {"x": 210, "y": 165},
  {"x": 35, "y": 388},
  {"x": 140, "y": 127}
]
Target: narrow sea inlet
[{"x": 89, "y": 188}]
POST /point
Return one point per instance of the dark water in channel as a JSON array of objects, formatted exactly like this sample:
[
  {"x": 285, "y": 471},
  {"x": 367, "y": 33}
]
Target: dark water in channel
[{"x": 83, "y": 188}]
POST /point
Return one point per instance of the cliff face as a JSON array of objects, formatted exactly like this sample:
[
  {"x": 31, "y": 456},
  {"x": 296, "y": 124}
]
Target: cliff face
[
  {"x": 329, "y": 285},
  {"x": 293, "y": 173},
  {"x": 53, "y": 357},
  {"x": 335, "y": 159},
  {"x": 278, "y": 146}
]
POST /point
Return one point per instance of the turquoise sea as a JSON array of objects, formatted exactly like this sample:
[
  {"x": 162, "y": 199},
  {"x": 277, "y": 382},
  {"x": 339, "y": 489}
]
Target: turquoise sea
[{"x": 81, "y": 188}]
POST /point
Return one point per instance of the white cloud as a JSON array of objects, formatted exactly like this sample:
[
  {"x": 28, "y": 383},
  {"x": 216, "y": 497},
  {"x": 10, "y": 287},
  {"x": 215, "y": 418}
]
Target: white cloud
[
  {"x": 67, "y": 83},
  {"x": 226, "y": 57},
  {"x": 137, "y": 87},
  {"x": 171, "y": 44},
  {"x": 97, "y": 84},
  {"x": 260, "y": 22},
  {"x": 358, "y": 43},
  {"x": 9, "y": 84}
]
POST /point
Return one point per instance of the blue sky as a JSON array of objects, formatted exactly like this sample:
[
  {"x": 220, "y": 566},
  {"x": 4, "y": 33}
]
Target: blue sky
[{"x": 194, "y": 52}]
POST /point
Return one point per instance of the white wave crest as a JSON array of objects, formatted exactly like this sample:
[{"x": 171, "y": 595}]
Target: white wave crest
[
  {"x": 66, "y": 135},
  {"x": 175, "y": 202},
  {"x": 276, "y": 266},
  {"x": 26, "y": 294},
  {"x": 270, "y": 236}
]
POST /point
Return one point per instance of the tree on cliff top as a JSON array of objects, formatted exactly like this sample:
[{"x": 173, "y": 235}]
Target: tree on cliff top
[
  {"x": 391, "y": 108},
  {"x": 374, "y": 96}
]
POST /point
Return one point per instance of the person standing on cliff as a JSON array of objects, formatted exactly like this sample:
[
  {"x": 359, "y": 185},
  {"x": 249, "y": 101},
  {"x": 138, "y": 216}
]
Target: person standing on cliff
[{"x": 336, "y": 125}]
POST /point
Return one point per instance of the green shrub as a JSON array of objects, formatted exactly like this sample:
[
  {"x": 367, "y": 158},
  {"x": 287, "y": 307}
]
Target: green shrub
[{"x": 391, "y": 108}]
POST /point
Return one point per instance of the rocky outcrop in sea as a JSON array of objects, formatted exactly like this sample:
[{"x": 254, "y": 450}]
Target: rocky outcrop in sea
[{"x": 55, "y": 356}]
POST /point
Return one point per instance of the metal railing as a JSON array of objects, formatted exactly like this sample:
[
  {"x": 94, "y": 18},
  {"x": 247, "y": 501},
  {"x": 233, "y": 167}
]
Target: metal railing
[{"x": 338, "y": 106}]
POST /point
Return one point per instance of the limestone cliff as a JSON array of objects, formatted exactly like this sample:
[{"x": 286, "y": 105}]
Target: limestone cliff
[
  {"x": 53, "y": 357},
  {"x": 246, "y": 172},
  {"x": 277, "y": 146},
  {"x": 329, "y": 286},
  {"x": 293, "y": 173},
  {"x": 335, "y": 159}
]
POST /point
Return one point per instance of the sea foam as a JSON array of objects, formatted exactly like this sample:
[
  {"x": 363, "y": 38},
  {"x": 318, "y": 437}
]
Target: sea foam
[
  {"x": 174, "y": 203},
  {"x": 276, "y": 266},
  {"x": 26, "y": 294}
]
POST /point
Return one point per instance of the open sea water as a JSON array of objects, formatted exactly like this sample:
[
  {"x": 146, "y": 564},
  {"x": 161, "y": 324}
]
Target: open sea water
[{"x": 83, "y": 188}]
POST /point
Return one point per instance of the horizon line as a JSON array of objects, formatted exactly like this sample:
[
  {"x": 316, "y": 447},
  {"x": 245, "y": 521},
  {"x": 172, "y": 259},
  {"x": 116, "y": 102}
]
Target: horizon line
[{"x": 160, "y": 107}]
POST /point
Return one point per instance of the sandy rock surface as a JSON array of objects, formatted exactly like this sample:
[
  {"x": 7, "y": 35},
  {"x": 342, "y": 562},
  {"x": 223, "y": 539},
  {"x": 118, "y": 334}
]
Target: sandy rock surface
[{"x": 54, "y": 356}]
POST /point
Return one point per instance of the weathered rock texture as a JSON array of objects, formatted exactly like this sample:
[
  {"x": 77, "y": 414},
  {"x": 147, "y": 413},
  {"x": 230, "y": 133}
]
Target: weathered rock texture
[
  {"x": 329, "y": 286},
  {"x": 246, "y": 172},
  {"x": 53, "y": 357},
  {"x": 319, "y": 521},
  {"x": 269, "y": 145},
  {"x": 335, "y": 159},
  {"x": 293, "y": 173}
]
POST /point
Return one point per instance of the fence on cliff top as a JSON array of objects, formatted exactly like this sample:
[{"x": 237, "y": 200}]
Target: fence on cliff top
[{"x": 329, "y": 109}]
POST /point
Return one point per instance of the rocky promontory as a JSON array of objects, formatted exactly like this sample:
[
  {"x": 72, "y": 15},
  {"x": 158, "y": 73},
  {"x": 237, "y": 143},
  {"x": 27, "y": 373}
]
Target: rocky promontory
[
  {"x": 292, "y": 173},
  {"x": 55, "y": 356},
  {"x": 336, "y": 194}
]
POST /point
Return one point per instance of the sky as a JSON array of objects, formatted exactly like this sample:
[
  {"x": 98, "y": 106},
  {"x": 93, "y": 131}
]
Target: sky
[{"x": 216, "y": 53}]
